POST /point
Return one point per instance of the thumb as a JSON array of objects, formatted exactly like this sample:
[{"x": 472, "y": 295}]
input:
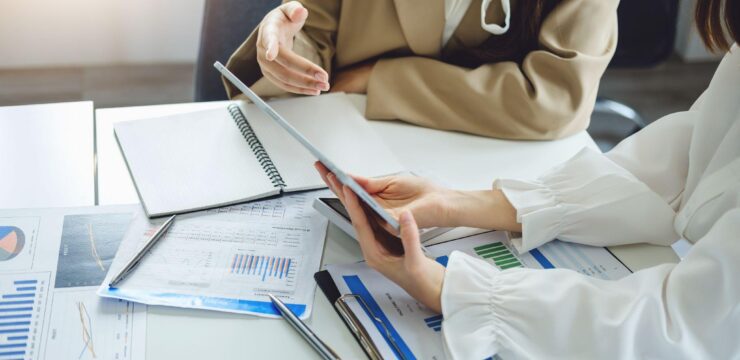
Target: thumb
[
  {"x": 296, "y": 12},
  {"x": 410, "y": 235},
  {"x": 372, "y": 185}
]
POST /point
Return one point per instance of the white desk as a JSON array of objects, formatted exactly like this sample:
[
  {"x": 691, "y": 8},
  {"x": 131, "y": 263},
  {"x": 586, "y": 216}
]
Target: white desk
[
  {"x": 464, "y": 160},
  {"x": 46, "y": 155}
]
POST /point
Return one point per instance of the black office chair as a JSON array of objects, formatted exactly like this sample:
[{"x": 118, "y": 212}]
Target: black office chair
[
  {"x": 226, "y": 23},
  {"x": 647, "y": 31}
]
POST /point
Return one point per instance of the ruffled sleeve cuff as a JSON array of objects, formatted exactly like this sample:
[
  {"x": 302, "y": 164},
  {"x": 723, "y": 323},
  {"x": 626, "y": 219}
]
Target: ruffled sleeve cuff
[
  {"x": 556, "y": 203},
  {"x": 537, "y": 209},
  {"x": 468, "y": 299}
]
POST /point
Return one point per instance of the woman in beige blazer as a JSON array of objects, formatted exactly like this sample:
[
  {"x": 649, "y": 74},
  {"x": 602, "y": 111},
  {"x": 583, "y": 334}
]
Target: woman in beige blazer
[{"x": 516, "y": 69}]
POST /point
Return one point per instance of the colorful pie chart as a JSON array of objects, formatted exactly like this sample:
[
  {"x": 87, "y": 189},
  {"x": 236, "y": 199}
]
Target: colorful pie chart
[{"x": 12, "y": 240}]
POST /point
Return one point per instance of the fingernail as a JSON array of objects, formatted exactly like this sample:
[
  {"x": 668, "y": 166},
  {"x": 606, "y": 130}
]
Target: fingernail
[
  {"x": 405, "y": 217},
  {"x": 320, "y": 76},
  {"x": 322, "y": 86}
]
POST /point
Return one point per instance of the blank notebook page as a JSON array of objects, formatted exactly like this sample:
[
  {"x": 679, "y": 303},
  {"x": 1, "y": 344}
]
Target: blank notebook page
[{"x": 191, "y": 161}]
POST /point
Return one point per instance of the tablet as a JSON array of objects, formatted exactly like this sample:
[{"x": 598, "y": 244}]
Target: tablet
[
  {"x": 345, "y": 179},
  {"x": 335, "y": 212}
]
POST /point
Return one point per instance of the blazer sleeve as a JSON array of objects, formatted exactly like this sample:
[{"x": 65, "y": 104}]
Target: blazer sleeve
[
  {"x": 550, "y": 95},
  {"x": 315, "y": 42},
  {"x": 687, "y": 310}
]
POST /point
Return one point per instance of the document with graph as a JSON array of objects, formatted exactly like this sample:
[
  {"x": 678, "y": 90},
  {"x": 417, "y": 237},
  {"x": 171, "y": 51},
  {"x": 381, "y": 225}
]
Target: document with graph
[
  {"x": 228, "y": 259},
  {"x": 51, "y": 264},
  {"x": 402, "y": 328}
]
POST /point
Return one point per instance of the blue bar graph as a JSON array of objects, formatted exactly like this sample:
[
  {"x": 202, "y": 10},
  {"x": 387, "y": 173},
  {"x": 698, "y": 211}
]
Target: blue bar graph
[
  {"x": 15, "y": 323},
  {"x": 21, "y": 300},
  {"x": 25, "y": 282},
  {"x": 15, "y": 296},
  {"x": 262, "y": 267},
  {"x": 434, "y": 322}
]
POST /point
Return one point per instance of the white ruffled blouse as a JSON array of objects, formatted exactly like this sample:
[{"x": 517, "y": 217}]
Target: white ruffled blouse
[{"x": 677, "y": 178}]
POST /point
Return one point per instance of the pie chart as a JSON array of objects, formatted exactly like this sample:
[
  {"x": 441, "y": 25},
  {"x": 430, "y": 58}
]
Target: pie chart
[{"x": 12, "y": 240}]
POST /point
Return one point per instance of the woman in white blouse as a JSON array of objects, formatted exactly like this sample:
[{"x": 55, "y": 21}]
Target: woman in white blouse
[{"x": 679, "y": 178}]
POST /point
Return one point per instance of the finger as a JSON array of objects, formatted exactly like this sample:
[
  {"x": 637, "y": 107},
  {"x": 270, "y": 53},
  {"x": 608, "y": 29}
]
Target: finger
[
  {"x": 288, "y": 87},
  {"x": 294, "y": 11},
  {"x": 301, "y": 65},
  {"x": 324, "y": 173},
  {"x": 336, "y": 186},
  {"x": 372, "y": 185},
  {"x": 270, "y": 43},
  {"x": 410, "y": 235},
  {"x": 296, "y": 75},
  {"x": 360, "y": 223}
]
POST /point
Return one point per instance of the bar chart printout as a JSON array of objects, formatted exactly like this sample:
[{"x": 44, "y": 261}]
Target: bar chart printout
[
  {"x": 499, "y": 254},
  {"x": 22, "y": 304},
  {"x": 267, "y": 269}
]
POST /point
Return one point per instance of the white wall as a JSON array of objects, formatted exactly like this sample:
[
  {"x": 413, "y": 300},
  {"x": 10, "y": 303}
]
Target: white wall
[
  {"x": 688, "y": 43},
  {"x": 36, "y": 33}
]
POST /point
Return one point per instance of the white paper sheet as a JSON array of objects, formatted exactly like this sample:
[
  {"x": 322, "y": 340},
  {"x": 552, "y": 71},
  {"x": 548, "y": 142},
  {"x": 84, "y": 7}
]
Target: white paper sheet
[
  {"x": 51, "y": 263},
  {"x": 415, "y": 329},
  {"x": 228, "y": 259}
]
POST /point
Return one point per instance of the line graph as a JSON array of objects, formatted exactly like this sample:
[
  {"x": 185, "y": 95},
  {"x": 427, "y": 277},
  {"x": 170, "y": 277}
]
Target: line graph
[
  {"x": 89, "y": 244},
  {"x": 93, "y": 248},
  {"x": 86, "y": 326},
  {"x": 83, "y": 326}
]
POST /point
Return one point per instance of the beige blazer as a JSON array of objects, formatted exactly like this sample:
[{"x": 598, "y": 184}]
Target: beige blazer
[{"x": 550, "y": 94}]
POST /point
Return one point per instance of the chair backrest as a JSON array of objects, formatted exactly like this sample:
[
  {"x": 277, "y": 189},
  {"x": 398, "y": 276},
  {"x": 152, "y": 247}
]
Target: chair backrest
[
  {"x": 226, "y": 23},
  {"x": 647, "y": 32}
]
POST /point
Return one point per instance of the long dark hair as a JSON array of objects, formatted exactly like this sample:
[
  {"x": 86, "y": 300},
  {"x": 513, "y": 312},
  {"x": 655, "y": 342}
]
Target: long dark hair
[
  {"x": 718, "y": 25},
  {"x": 521, "y": 39}
]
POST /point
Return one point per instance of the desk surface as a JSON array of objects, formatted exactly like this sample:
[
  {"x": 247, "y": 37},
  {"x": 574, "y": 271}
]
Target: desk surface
[
  {"x": 467, "y": 161},
  {"x": 58, "y": 155},
  {"x": 46, "y": 155}
]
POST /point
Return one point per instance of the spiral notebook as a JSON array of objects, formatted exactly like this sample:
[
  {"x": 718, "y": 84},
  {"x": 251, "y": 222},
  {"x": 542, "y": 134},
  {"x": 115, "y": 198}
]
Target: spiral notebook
[{"x": 232, "y": 154}]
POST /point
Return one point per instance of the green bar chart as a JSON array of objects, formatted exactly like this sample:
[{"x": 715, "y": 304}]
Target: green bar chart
[{"x": 499, "y": 254}]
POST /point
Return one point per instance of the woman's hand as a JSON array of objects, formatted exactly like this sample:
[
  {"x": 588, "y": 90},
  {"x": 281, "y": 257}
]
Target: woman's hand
[
  {"x": 426, "y": 200},
  {"x": 420, "y": 276},
  {"x": 434, "y": 205},
  {"x": 283, "y": 67},
  {"x": 353, "y": 80}
]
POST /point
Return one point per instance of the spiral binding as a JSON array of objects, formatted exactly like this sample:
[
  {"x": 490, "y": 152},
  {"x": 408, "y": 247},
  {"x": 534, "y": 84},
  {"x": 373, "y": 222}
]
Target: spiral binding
[{"x": 259, "y": 151}]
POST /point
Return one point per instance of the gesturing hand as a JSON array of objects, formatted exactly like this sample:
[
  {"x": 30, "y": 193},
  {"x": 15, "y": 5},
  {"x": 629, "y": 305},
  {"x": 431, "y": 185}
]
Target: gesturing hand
[{"x": 279, "y": 64}]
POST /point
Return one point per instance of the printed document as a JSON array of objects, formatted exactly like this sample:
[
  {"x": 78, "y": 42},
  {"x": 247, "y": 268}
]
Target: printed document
[
  {"x": 228, "y": 259},
  {"x": 413, "y": 331},
  {"x": 51, "y": 264}
]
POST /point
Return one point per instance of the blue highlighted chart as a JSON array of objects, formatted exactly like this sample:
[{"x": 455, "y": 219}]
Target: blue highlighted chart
[
  {"x": 22, "y": 304},
  {"x": 264, "y": 268},
  {"x": 434, "y": 322}
]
